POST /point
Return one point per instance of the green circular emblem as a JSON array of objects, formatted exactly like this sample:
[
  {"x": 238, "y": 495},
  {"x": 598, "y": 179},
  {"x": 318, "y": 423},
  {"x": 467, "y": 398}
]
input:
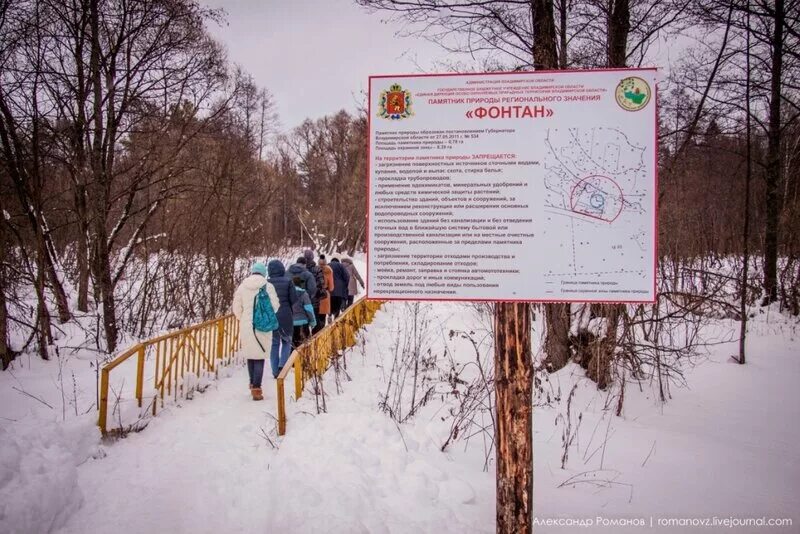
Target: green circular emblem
[{"x": 633, "y": 93}]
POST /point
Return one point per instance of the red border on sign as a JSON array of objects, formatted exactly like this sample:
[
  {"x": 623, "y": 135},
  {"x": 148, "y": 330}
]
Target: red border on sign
[{"x": 561, "y": 71}]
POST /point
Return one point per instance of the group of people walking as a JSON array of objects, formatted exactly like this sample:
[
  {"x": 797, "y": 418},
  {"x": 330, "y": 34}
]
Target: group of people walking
[{"x": 303, "y": 297}]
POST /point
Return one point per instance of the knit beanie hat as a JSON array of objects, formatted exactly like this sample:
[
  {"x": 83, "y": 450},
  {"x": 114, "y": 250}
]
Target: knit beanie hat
[
  {"x": 309, "y": 255},
  {"x": 259, "y": 268}
]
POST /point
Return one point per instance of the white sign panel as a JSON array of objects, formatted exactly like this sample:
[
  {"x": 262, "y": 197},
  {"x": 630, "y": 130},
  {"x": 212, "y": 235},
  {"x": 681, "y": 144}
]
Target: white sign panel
[{"x": 513, "y": 186}]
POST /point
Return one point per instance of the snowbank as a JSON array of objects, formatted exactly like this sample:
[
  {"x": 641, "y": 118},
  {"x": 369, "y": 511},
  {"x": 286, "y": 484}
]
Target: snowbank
[{"x": 38, "y": 472}]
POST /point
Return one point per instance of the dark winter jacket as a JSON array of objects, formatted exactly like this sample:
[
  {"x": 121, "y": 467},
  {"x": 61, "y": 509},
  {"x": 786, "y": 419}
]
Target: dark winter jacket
[
  {"x": 300, "y": 270},
  {"x": 287, "y": 296},
  {"x": 319, "y": 279},
  {"x": 302, "y": 311},
  {"x": 340, "y": 279}
]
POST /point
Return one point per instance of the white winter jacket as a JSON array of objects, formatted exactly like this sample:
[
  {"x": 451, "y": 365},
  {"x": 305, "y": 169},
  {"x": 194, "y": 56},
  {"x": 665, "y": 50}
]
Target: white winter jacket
[{"x": 242, "y": 308}]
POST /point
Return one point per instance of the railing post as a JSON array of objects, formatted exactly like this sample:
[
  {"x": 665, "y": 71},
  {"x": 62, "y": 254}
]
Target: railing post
[
  {"x": 298, "y": 373},
  {"x": 140, "y": 373},
  {"x": 101, "y": 420},
  {"x": 220, "y": 337},
  {"x": 281, "y": 408}
]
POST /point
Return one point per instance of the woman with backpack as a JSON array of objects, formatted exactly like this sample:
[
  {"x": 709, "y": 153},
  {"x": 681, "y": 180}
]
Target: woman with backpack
[
  {"x": 287, "y": 296},
  {"x": 255, "y": 344}
]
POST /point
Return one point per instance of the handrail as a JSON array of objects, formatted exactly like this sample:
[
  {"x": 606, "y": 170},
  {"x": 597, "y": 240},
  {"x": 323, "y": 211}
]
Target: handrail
[
  {"x": 196, "y": 350},
  {"x": 313, "y": 357}
]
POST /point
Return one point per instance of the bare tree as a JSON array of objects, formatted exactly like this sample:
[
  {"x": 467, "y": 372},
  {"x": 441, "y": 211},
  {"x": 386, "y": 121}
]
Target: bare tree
[
  {"x": 771, "y": 29},
  {"x": 330, "y": 155},
  {"x": 104, "y": 98}
]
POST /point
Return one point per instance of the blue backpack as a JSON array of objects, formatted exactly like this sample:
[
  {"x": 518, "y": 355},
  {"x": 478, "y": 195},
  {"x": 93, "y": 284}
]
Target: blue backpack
[{"x": 264, "y": 318}]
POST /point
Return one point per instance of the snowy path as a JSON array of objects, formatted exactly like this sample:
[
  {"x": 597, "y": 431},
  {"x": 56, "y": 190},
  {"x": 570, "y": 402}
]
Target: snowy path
[
  {"x": 201, "y": 468},
  {"x": 205, "y": 467}
]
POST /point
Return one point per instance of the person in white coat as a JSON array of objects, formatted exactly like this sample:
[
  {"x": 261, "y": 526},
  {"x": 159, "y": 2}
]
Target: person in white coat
[{"x": 255, "y": 349}]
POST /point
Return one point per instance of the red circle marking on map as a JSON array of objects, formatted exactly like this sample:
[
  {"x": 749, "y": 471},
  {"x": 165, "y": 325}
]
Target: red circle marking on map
[{"x": 600, "y": 183}]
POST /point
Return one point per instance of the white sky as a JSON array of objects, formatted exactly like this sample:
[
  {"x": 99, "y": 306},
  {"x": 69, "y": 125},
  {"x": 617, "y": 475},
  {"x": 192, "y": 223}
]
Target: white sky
[{"x": 315, "y": 56}]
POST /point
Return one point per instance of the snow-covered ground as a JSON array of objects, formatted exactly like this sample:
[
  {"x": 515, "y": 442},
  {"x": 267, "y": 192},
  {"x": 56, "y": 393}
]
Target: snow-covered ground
[{"x": 724, "y": 446}]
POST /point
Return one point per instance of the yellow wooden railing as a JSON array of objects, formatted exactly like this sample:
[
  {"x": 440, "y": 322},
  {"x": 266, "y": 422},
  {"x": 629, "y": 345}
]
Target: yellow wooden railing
[
  {"x": 314, "y": 357},
  {"x": 200, "y": 350},
  {"x": 197, "y": 350}
]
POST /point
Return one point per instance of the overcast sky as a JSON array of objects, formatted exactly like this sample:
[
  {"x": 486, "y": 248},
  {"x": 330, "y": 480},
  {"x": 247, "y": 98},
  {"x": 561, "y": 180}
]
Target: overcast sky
[{"x": 314, "y": 56}]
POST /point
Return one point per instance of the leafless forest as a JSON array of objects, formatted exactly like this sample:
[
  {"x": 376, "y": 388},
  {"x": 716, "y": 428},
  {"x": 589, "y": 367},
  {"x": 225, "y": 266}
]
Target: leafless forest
[
  {"x": 138, "y": 162},
  {"x": 139, "y": 166}
]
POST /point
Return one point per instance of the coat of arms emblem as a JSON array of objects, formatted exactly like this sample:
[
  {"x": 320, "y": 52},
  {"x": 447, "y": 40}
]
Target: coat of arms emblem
[{"x": 395, "y": 103}]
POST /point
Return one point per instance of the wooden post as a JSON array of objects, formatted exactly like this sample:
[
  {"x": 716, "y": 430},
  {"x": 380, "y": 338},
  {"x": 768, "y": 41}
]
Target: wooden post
[
  {"x": 281, "y": 408},
  {"x": 298, "y": 373},
  {"x": 220, "y": 337},
  {"x": 513, "y": 425},
  {"x": 139, "y": 374},
  {"x": 102, "y": 418}
]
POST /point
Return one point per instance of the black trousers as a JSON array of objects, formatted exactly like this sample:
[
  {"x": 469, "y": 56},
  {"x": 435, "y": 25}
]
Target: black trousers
[
  {"x": 320, "y": 322},
  {"x": 336, "y": 306},
  {"x": 300, "y": 334}
]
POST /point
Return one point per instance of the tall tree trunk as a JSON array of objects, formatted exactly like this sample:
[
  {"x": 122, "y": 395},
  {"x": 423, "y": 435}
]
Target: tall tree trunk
[
  {"x": 746, "y": 228},
  {"x": 601, "y": 351},
  {"x": 101, "y": 255},
  {"x": 102, "y": 275},
  {"x": 773, "y": 166},
  {"x": 597, "y": 355},
  {"x": 512, "y": 358},
  {"x": 556, "y": 341},
  {"x": 62, "y": 304},
  {"x": 513, "y": 370},
  {"x": 5, "y": 351},
  {"x": 562, "y": 52},
  {"x": 619, "y": 25},
  {"x": 43, "y": 328},
  {"x": 82, "y": 251},
  {"x": 81, "y": 33},
  {"x": 545, "y": 55}
]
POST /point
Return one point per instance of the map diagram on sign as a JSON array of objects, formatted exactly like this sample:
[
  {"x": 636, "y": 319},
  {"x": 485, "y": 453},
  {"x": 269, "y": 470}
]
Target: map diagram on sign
[{"x": 596, "y": 184}]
